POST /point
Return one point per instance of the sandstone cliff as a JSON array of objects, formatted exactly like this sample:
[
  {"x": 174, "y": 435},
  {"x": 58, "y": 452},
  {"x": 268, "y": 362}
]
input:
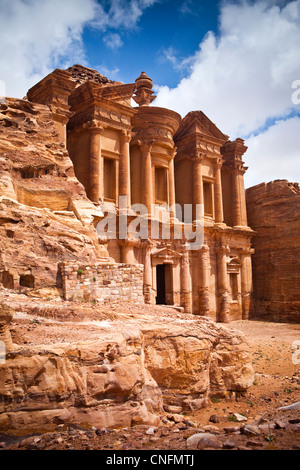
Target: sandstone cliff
[
  {"x": 45, "y": 216},
  {"x": 274, "y": 213}
]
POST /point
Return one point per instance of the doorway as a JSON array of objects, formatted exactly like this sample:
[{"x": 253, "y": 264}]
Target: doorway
[
  {"x": 160, "y": 284},
  {"x": 164, "y": 295}
]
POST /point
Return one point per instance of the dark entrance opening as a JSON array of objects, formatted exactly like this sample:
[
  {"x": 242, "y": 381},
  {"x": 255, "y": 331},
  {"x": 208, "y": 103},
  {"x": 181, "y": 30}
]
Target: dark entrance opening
[
  {"x": 27, "y": 280},
  {"x": 160, "y": 284}
]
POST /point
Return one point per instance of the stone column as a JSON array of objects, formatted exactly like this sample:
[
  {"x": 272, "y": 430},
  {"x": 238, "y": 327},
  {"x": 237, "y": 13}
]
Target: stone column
[
  {"x": 95, "y": 186},
  {"x": 147, "y": 189},
  {"x": 124, "y": 167},
  {"x": 198, "y": 197},
  {"x": 246, "y": 282},
  {"x": 244, "y": 218},
  {"x": 223, "y": 314},
  {"x": 147, "y": 275},
  {"x": 172, "y": 187},
  {"x": 219, "y": 217},
  {"x": 236, "y": 200},
  {"x": 203, "y": 273},
  {"x": 186, "y": 294},
  {"x": 232, "y": 156},
  {"x": 127, "y": 250}
]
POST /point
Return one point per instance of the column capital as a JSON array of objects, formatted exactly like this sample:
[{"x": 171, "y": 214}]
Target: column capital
[
  {"x": 145, "y": 145},
  {"x": 236, "y": 166},
  {"x": 218, "y": 163},
  {"x": 126, "y": 136},
  {"x": 173, "y": 152},
  {"x": 197, "y": 156},
  {"x": 93, "y": 125},
  {"x": 246, "y": 251},
  {"x": 223, "y": 250}
]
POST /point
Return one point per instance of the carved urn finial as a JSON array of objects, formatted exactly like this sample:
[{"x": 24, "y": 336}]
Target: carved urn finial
[{"x": 143, "y": 94}]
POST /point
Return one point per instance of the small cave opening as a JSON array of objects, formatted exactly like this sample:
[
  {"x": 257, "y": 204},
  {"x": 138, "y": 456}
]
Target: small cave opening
[
  {"x": 7, "y": 280},
  {"x": 27, "y": 280}
]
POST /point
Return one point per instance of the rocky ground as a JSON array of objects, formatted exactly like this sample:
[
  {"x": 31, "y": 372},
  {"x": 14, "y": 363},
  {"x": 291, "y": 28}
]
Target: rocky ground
[{"x": 256, "y": 421}]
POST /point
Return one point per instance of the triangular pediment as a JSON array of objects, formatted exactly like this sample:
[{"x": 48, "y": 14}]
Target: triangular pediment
[
  {"x": 90, "y": 90},
  {"x": 118, "y": 93},
  {"x": 165, "y": 252},
  {"x": 196, "y": 122}
]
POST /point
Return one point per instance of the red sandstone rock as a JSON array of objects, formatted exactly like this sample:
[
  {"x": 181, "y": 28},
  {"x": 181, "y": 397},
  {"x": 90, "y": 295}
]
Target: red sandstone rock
[
  {"x": 274, "y": 213},
  {"x": 120, "y": 371},
  {"x": 45, "y": 216}
]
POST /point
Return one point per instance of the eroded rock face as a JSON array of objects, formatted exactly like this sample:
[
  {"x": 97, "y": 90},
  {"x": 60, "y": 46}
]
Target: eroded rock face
[
  {"x": 6, "y": 315},
  {"x": 121, "y": 372},
  {"x": 274, "y": 213},
  {"x": 81, "y": 74}
]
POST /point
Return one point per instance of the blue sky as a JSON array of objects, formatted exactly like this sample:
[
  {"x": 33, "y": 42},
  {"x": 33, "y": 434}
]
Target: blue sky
[
  {"x": 236, "y": 60},
  {"x": 166, "y": 28}
]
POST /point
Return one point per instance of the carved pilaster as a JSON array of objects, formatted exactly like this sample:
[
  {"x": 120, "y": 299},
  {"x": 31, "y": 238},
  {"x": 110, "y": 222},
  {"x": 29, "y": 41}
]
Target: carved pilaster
[
  {"x": 232, "y": 153},
  {"x": 124, "y": 167},
  {"x": 246, "y": 281},
  {"x": 95, "y": 187},
  {"x": 147, "y": 288},
  {"x": 223, "y": 295},
  {"x": 198, "y": 197},
  {"x": 186, "y": 294},
  {"x": 147, "y": 188},
  {"x": 219, "y": 217},
  {"x": 204, "y": 276},
  {"x": 172, "y": 185}
]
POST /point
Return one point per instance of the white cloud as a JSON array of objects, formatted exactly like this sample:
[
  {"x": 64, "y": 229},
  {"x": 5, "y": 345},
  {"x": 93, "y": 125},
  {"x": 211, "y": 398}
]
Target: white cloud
[
  {"x": 113, "y": 41},
  {"x": 242, "y": 78},
  {"x": 123, "y": 14},
  {"x": 38, "y": 36},
  {"x": 186, "y": 7},
  {"x": 274, "y": 154},
  {"x": 181, "y": 65}
]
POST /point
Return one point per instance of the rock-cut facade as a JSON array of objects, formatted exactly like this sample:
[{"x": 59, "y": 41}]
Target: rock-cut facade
[{"x": 168, "y": 193}]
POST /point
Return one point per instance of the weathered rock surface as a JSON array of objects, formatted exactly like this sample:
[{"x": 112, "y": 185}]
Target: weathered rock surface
[
  {"x": 6, "y": 315},
  {"x": 45, "y": 215},
  {"x": 118, "y": 372},
  {"x": 81, "y": 73},
  {"x": 274, "y": 213}
]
